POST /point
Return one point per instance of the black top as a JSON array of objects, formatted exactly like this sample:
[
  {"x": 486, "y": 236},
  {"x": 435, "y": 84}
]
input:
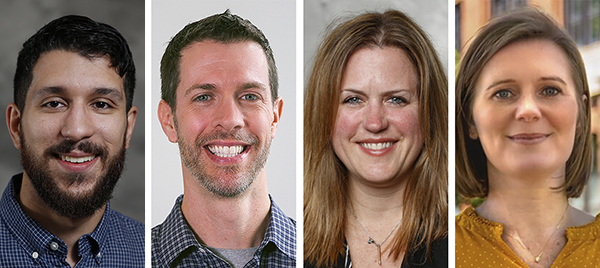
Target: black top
[{"x": 417, "y": 258}]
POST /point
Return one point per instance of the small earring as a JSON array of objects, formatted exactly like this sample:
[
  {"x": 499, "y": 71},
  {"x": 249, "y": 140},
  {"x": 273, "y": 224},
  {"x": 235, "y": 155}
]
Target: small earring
[{"x": 473, "y": 133}]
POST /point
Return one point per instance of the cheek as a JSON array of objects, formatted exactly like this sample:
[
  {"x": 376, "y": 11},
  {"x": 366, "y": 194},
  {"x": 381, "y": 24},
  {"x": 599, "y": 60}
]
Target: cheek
[
  {"x": 485, "y": 118},
  {"x": 408, "y": 123},
  {"x": 346, "y": 124},
  {"x": 40, "y": 129}
]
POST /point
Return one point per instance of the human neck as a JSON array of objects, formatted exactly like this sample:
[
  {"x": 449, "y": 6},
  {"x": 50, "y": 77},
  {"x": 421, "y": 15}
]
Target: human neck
[
  {"x": 67, "y": 229},
  {"x": 373, "y": 212},
  {"x": 375, "y": 200},
  {"x": 524, "y": 204},
  {"x": 228, "y": 223}
]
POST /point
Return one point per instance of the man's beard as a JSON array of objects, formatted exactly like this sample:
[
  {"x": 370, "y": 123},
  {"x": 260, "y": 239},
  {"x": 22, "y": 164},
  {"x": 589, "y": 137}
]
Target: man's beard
[
  {"x": 64, "y": 203},
  {"x": 219, "y": 182}
]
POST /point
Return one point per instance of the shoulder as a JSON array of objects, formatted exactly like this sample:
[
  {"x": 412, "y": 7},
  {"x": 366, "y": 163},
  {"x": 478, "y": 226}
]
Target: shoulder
[
  {"x": 127, "y": 231},
  {"x": 438, "y": 256},
  {"x": 127, "y": 224}
]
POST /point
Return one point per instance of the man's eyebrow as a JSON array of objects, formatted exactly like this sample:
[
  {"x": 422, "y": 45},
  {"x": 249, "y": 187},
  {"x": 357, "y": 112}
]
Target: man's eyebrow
[
  {"x": 254, "y": 85},
  {"x": 200, "y": 86},
  {"x": 47, "y": 91},
  {"x": 112, "y": 92}
]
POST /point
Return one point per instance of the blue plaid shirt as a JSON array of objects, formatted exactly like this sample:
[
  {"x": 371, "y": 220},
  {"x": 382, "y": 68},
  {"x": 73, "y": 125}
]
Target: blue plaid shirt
[
  {"x": 117, "y": 241},
  {"x": 174, "y": 243}
]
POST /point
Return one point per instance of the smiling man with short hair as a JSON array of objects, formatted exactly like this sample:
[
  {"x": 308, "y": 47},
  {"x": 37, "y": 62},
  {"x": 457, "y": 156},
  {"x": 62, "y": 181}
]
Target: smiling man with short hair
[
  {"x": 72, "y": 118},
  {"x": 220, "y": 104}
]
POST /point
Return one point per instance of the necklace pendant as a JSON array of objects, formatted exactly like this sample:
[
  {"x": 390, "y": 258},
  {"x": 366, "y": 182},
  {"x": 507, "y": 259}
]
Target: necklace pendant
[
  {"x": 370, "y": 241},
  {"x": 537, "y": 259},
  {"x": 379, "y": 253}
]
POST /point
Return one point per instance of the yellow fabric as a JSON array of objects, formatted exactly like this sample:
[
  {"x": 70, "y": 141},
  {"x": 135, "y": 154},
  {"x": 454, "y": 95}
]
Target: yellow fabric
[{"x": 479, "y": 244}]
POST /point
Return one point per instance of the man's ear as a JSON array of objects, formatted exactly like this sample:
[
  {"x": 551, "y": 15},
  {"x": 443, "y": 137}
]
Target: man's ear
[
  {"x": 277, "y": 110},
  {"x": 131, "y": 116},
  {"x": 13, "y": 122},
  {"x": 165, "y": 116}
]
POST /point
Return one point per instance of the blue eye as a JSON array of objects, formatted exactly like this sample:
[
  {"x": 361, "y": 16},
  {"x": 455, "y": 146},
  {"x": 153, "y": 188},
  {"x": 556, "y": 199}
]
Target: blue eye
[
  {"x": 352, "y": 100},
  {"x": 550, "y": 91},
  {"x": 250, "y": 97},
  {"x": 503, "y": 94},
  {"x": 203, "y": 97},
  {"x": 397, "y": 100}
]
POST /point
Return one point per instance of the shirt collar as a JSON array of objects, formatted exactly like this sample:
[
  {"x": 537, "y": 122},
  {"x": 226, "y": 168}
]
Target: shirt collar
[
  {"x": 281, "y": 232},
  {"x": 33, "y": 237},
  {"x": 176, "y": 235}
]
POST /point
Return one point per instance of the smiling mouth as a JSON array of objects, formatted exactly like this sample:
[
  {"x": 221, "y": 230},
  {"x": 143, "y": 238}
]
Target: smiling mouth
[
  {"x": 77, "y": 160},
  {"x": 376, "y": 146},
  {"x": 226, "y": 151},
  {"x": 528, "y": 136}
]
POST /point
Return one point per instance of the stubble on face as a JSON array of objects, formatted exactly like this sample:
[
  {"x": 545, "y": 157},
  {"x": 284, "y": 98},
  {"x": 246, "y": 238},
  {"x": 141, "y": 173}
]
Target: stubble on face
[
  {"x": 226, "y": 181},
  {"x": 64, "y": 203}
]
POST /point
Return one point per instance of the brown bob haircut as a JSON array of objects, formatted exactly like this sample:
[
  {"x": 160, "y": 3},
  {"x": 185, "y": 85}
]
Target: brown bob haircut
[
  {"x": 525, "y": 24},
  {"x": 425, "y": 217}
]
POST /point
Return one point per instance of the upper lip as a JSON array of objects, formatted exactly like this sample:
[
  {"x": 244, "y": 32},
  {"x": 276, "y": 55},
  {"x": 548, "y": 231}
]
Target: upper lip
[
  {"x": 528, "y": 135},
  {"x": 381, "y": 140},
  {"x": 227, "y": 143},
  {"x": 76, "y": 154}
]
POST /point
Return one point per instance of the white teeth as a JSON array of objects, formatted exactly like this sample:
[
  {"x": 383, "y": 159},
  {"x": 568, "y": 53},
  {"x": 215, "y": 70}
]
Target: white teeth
[
  {"x": 226, "y": 151},
  {"x": 77, "y": 159},
  {"x": 377, "y": 146}
]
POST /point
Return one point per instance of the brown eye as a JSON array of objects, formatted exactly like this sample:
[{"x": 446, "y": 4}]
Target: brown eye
[
  {"x": 53, "y": 104},
  {"x": 101, "y": 105}
]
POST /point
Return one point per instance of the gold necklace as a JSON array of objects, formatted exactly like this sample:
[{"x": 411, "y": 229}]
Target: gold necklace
[
  {"x": 371, "y": 241},
  {"x": 539, "y": 256}
]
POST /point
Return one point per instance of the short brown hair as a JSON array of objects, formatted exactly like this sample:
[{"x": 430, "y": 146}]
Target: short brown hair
[{"x": 524, "y": 24}]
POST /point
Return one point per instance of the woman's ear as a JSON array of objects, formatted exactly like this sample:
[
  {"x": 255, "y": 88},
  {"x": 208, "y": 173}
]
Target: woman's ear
[{"x": 473, "y": 131}]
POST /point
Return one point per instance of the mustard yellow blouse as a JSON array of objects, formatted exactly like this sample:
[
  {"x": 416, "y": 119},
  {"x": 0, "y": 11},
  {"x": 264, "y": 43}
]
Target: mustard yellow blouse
[{"x": 479, "y": 244}]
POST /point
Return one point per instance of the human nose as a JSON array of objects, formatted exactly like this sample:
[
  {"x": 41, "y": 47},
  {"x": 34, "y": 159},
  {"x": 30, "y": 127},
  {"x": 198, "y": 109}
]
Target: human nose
[
  {"x": 528, "y": 109},
  {"x": 77, "y": 125},
  {"x": 228, "y": 116},
  {"x": 375, "y": 118}
]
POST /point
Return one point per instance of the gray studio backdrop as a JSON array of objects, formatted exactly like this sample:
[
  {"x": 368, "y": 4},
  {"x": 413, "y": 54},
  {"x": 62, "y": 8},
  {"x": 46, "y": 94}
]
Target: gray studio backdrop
[
  {"x": 431, "y": 15},
  {"x": 19, "y": 19},
  {"x": 277, "y": 19}
]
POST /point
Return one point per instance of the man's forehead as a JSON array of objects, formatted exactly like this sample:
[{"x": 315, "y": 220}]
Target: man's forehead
[
  {"x": 204, "y": 63},
  {"x": 61, "y": 71}
]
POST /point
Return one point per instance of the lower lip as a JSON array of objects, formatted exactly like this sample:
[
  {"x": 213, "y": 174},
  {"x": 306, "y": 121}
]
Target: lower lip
[
  {"x": 380, "y": 152},
  {"x": 228, "y": 160},
  {"x": 529, "y": 140},
  {"x": 77, "y": 167}
]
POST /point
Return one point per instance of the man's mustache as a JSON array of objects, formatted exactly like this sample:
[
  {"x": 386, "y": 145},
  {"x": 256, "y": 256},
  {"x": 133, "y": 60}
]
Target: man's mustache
[
  {"x": 88, "y": 147},
  {"x": 225, "y": 135}
]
